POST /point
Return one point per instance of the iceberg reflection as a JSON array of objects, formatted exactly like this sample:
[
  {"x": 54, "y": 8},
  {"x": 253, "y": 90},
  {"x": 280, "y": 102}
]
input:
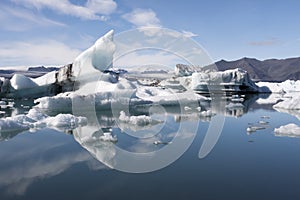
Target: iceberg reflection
[{"x": 137, "y": 150}]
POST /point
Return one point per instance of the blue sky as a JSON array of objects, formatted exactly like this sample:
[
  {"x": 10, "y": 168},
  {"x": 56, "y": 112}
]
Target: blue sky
[{"x": 47, "y": 32}]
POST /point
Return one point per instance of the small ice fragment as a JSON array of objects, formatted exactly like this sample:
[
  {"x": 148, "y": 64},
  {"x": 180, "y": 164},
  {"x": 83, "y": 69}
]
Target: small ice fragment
[
  {"x": 157, "y": 142},
  {"x": 187, "y": 108},
  {"x": 265, "y": 117},
  {"x": 254, "y": 128},
  {"x": 249, "y": 129},
  {"x": 140, "y": 120},
  {"x": 238, "y": 99},
  {"x": 207, "y": 113},
  {"x": 263, "y": 122},
  {"x": 107, "y": 137}
]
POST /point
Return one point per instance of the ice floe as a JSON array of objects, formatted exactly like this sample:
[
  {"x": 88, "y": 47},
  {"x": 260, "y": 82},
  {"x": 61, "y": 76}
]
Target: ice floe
[
  {"x": 292, "y": 103},
  {"x": 140, "y": 120},
  {"x": 36, "y": 120},
  {"x": 10, "y": 125},
  {"x": 289, "y": 130},
  {"x": 283, "y": 87}
]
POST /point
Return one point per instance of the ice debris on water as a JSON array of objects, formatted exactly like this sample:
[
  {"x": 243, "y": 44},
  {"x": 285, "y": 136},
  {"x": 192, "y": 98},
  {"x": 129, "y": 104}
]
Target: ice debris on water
[
  {"x": 263, "y": 122},
  {"x": 36, "y": 119},
  {"x": 108, "y": 137},
  {"x": 157, "y": 142},
  {"x": 254, "y": 128},
  {"x": 140, "y": 120}
]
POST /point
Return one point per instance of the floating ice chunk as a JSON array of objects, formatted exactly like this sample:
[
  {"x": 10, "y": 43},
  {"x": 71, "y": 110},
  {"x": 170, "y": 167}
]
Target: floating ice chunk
[
  {"x": 187, "y": 108},
  {"x": 289, "y": 130},
  {"x": 3, "y": 103},
  {"x": 36, "y": 115},
  {"x": 283, "y": 87},
  {"x": 157, "y": 142},
  {"x": 272, "y": 99},
  {"x": 237, "y": 99},
  {"x": 22, "y": 119},
  {"x": 232, "y": 79},
  {"x": 289, "y": 104},
  {"x": 255, "y": 128},
  {"x": 62, "y": 120},
  {"x": 19, "y": 81},
  {"x": 59, "y": 102},
  {"x": 140, "y": 120},
  {"x": 107, "y": 137},
  {"x": 263, "y": 122},
  {"x": 9, "y": 125},
  {"x": 36, "y": 119},
  {"x": 206, "y": 113}
]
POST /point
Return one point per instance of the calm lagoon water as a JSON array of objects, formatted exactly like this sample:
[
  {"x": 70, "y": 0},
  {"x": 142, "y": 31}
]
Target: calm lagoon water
[{"x": 55, "y": 164}]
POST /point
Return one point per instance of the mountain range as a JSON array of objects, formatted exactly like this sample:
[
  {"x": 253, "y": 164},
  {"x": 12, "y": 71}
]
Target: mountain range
[{"x": 271, "y": 70}]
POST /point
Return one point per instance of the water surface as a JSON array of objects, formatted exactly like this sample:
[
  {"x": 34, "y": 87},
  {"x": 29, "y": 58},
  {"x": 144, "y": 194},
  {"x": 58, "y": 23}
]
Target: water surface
[{"x": 54, "y": 164}]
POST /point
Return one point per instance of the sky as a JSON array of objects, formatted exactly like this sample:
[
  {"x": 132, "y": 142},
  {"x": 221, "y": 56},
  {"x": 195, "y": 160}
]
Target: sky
[{"x": 54, "y": 32}]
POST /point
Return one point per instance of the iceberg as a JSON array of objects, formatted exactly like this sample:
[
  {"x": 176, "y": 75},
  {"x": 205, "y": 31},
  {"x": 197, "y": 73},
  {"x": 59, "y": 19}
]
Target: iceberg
[
  {"x": 287, "y": 86},
  {"x": 186, "y": 70},
  {"x": 19, "y": 81},
  {"x": 95, "y": 82},
  {"x": 236, "y": 80}
]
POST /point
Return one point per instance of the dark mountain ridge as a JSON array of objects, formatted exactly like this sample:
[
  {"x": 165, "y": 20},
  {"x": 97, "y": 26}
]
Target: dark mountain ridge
[{"x": 272, "y": 70}]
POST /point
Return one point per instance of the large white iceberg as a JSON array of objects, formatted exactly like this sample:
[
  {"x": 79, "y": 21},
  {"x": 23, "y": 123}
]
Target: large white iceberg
[
  {"x": 236, "y": 80},
  {"x": 95, "y": 86},
  {"x": 89, "y": 65}
]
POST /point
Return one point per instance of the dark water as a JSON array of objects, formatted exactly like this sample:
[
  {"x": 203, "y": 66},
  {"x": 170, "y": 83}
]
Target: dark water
[{"x": 50, "y": 164}]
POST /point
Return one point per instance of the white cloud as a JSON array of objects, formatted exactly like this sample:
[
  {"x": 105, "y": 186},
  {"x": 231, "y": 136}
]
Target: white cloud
[
  {"x": 102, "y": 6},
  {"x": 92, "y": 10},
  {"x": 142, "y": 18},
  {"x": 189, "y": 34},
  {"x": 47, "y": 52},
  {"x": 18, "y": 19}
]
